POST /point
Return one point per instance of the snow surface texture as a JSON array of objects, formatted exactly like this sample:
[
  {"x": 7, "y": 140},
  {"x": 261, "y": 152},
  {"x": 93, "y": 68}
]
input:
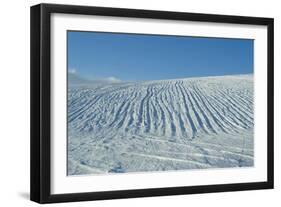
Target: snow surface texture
[{"x": 180, "y": 124}]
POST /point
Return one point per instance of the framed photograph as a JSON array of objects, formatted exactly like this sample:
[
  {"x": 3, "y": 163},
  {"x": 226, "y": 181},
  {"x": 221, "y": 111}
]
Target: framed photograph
[{"x": 133, "y": 103}]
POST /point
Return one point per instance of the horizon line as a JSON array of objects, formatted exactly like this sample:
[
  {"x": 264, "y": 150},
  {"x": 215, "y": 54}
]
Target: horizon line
[{"x": 118, "y": 80}]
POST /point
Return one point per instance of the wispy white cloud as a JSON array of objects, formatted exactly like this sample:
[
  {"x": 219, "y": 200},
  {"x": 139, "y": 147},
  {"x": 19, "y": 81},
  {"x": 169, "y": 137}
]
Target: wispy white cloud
[
  {"x": 112, "y": 79},
  {"x": 72, "y": 71}
]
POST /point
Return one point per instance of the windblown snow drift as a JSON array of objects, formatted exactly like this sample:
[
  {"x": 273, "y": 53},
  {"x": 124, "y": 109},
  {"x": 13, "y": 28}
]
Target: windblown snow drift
[{"x": 193, "y": 123}]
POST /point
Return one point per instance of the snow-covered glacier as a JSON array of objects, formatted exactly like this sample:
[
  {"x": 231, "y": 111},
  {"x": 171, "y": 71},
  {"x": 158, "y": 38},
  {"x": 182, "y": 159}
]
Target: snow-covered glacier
[{"x": 178, "y": 124}]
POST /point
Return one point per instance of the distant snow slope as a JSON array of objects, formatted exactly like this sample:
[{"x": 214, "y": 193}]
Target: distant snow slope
[{"x": 179, "y": 124}]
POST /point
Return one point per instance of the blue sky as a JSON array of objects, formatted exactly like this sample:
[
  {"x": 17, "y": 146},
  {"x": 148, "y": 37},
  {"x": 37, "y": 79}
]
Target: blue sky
[{"x": 132, "y": 57}]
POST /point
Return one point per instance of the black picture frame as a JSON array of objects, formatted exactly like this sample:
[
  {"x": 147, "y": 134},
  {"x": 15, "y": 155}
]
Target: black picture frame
[{"x": 40, "y": 184}]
